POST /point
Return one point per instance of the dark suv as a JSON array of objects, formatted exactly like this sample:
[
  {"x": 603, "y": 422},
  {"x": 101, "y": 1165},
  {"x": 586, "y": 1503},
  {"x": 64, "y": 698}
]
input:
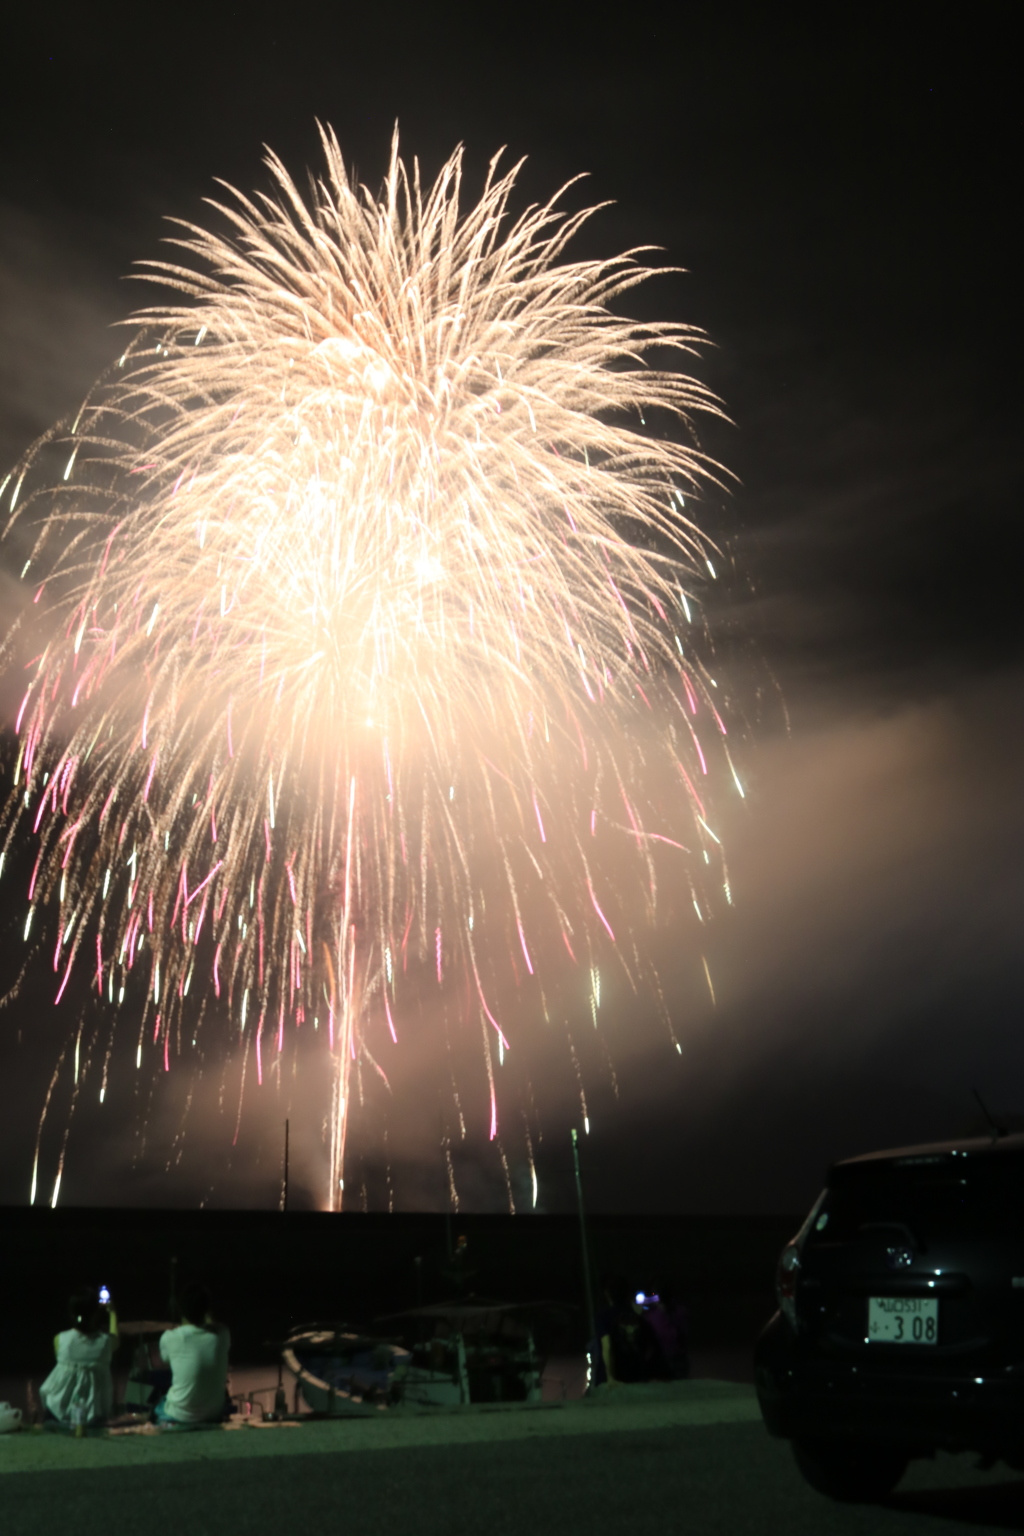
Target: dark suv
[{"x": 900, "y": 1326}]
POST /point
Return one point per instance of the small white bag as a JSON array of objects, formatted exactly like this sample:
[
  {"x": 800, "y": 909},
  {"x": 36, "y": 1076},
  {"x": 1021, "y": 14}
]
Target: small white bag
[{"x": 10, "y": 1418}]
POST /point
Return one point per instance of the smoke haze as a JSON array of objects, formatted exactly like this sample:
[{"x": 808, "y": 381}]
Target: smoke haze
[{"x": 844, "y": 220}]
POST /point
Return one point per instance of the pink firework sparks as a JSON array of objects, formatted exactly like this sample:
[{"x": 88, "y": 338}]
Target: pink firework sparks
[{"x": 346, "y": 518}]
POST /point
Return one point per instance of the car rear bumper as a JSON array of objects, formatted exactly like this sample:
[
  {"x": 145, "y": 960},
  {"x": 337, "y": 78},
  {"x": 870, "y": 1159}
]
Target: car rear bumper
[{"x": 808, "y": 1398}]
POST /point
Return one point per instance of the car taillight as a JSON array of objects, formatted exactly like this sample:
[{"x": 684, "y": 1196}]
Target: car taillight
[{"x": 786, "y": 1276}]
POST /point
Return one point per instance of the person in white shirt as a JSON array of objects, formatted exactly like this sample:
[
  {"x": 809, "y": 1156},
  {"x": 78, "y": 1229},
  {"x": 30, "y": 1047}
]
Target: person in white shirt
[
  {"x": 197, "y": 1353},
  {"x": 80, "y": 1388}
]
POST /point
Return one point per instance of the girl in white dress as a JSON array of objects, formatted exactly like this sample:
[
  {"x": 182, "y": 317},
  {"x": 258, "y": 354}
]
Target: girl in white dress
[{"x": 80, "y": 1388}]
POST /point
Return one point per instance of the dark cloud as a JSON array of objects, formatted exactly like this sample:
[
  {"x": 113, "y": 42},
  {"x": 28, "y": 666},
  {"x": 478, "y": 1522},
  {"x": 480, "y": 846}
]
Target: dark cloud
[{"x": 57, "y": 306}]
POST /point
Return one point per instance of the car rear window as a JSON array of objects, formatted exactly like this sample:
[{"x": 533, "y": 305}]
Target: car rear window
[{"x": 980, "y": 1195}]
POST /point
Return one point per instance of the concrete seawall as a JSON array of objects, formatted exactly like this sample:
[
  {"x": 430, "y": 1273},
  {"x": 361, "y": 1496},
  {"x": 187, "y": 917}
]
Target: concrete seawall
[{"x": 270, "y": 1270}]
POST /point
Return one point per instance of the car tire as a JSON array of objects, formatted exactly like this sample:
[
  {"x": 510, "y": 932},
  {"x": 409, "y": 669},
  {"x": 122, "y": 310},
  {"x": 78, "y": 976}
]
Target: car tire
[{"x": 853, "y": 1473}]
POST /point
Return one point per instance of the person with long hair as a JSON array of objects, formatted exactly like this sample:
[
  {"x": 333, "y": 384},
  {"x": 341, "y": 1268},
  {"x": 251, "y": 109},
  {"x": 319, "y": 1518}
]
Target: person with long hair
[{"x": 80, "y": 1388}]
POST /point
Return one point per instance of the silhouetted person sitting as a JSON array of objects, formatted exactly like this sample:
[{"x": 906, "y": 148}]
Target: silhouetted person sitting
[
  {"x": 80, "y": 1388},
  {"x": 626, "y": 1345},
  {"x": 197, "y": 1353}
]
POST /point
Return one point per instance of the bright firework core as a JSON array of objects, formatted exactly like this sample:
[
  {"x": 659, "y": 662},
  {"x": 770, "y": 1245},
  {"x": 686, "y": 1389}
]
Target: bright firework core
[{"x": 362, "y": 635}]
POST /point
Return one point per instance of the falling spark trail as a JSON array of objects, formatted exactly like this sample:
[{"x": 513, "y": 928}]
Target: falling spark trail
[{"x": 341, "y": 594}]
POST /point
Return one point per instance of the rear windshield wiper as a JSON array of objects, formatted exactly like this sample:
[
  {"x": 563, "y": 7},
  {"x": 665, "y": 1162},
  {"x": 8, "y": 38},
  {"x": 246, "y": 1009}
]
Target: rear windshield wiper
[{"x": 996, "y": 1129}]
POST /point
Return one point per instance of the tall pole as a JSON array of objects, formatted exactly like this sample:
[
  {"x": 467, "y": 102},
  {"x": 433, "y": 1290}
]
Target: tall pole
[
  {"x": 284, "y": 1181},
  {"x": 591, "y": 1323}
]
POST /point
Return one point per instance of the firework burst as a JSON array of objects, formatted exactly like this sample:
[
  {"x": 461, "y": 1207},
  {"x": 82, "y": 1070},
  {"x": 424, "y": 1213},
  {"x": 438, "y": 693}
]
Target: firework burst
[{"x": 360, "y": 630}]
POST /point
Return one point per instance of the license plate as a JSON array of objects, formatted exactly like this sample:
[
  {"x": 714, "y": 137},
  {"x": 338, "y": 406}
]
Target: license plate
[{"x": 903, "y": 1319}]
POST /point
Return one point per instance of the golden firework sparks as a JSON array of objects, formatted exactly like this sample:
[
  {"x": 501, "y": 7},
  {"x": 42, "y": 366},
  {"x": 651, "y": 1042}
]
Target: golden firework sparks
[{"x": 363, "y": 619}]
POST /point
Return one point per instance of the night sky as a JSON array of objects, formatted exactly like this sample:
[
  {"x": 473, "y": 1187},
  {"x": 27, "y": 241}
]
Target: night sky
[{"x": 840, "y": 191}]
